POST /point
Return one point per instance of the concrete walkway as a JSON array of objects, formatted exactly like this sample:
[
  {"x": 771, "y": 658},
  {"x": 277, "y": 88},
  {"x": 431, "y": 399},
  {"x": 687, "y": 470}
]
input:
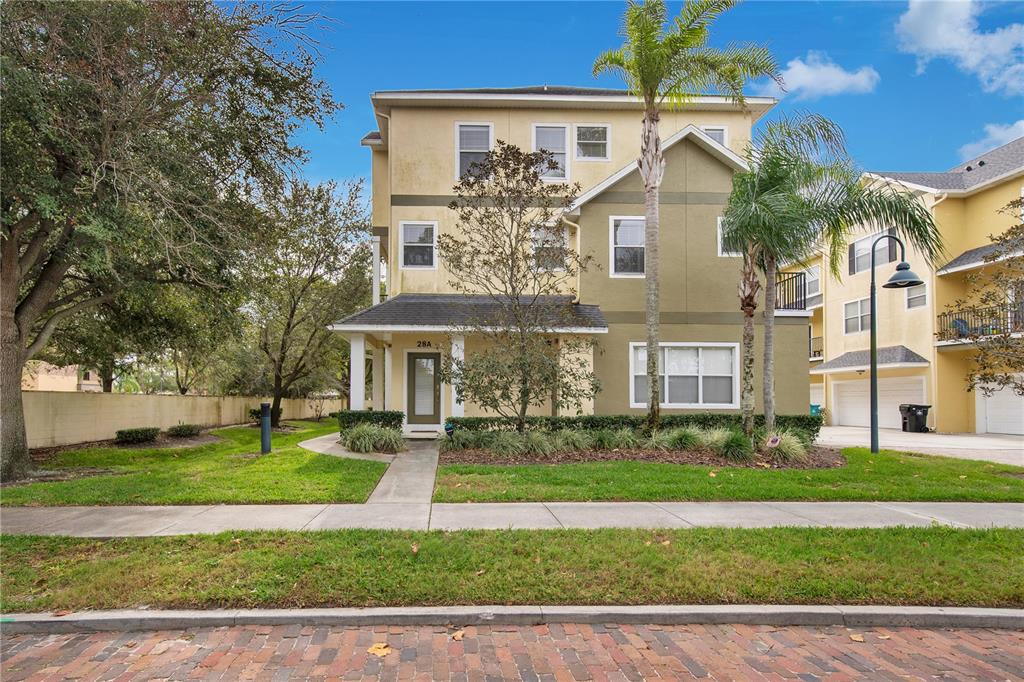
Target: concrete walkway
[
  {"x": 183, "y": 520},
  {"x": 987, "y": 447}
]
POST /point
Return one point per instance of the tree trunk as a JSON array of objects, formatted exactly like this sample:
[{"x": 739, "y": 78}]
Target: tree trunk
[
  {"x": 14, "y": 460},
  {"x": 651, "y": 166},
  {"x": 749, "y": 286},
  {"x": 275, "y": 405},
  {"x": 770, "y": 271}
]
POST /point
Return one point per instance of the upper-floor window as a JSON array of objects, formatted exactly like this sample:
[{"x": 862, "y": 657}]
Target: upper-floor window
[
  {"x": 418, "y": 244},
  {"x": 626, "y": 240},
  {"x": 553, "y": 138},
  {"x": 690, "y": 375},
  {"x": 473, "y": 141},
  {"x": 722, "y": 250},
  {"x": 860, "y": 253},
  {"x": 917, "y": 296},
  {"x": 812, "y": 281},
  {"x": 592, "y": 142},
  {"x": 719, "y": 134},
  {"x": 857, "y": 316},
  {"x": 549, "y": 247}
]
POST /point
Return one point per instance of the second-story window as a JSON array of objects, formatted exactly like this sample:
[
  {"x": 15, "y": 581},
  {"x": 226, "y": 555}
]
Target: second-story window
[
  {"x": 860, "y": 253},
  {"x": 418, "y": 242},
  {"x": 592, "y": 142},
  {"x": 474, "y": 141},
  {"x": 723, "y": 251},
  {"x": 812, "y": 286},
  {"x": 716, "y": 133},
  {"x": 627, "y": 246},
  {"x": 553, "y": 138},
  {"x": 549, "y": 247},
  {"x": 917, "y": 297},
  {"x": 857, "y": 316}
]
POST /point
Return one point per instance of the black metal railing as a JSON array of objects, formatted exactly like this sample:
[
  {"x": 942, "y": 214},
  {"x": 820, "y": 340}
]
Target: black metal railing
[
  {"x": 815, "y": 347},
  {"x": 967, "y": 324},
  {"x": 791, "y": 291}
]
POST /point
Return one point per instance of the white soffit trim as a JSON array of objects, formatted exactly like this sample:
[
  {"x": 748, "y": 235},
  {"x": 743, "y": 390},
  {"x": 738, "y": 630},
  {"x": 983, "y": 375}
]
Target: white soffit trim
[
  {"x": 979, "y": 264},
  {"x": 400, "y": 328},
  {"x": 865, "y": 368},
  {"x": 723, "y": 154}
]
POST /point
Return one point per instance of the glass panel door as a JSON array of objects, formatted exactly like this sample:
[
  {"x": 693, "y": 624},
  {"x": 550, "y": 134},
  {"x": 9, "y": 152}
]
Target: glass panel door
[{"x": 424, "y": 399}]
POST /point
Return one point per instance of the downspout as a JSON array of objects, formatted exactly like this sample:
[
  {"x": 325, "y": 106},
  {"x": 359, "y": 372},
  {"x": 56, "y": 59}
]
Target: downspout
[{"x": 579, "y": 274}]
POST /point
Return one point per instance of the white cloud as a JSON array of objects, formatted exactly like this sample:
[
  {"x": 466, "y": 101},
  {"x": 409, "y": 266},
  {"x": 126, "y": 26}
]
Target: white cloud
[
  {"x": 949, "y": 30},
  {"x": 818, "y": 76},
  {"x": 996, "y": 135}
]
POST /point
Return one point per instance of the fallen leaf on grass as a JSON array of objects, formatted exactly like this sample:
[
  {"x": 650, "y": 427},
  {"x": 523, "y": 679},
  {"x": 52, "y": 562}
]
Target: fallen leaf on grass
[
  {"x": 962, "y": 477},
  {"x": 58, "y": 614},
  {"x": 884, "y": 637},
  {"x": 458, "y": 635},
  {"x": 481, "y": 571},
  {"x": 415, "y": 548},
  {"x": 712, "y": 474},
  {"x": 380, "y": 649},
  {"x": 857, "y": 638},
  {"x": 666, "y": 542}
]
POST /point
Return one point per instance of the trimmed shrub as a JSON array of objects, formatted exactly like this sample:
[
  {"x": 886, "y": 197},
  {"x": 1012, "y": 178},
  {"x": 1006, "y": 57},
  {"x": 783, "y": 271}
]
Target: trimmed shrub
[
  {"x": 735, "y": 447},
  {"x": 568, "y": 440},
  {"x": 184, "y": 430},
  {"x": 255, "y": 414},
  {"x": 684, "y": 438},
  {"x": 388, "y": 419},
  {"x": 787, "y": 446},
  {"x": 373, "y": 438},
  {"x": 146, "y": 434},
  {"x": 507, "y": 443},
  {"x": 537, "y": 443}
]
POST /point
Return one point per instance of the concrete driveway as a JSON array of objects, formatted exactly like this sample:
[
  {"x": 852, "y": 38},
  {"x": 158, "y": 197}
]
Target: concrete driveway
[{"x": 988, "y": 447}]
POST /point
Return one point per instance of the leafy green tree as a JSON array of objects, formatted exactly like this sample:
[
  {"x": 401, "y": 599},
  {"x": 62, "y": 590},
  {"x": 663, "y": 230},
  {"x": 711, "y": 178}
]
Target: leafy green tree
[
  {"x": 667, "y": 65},
  {"x": 803, "y": 192},
  {"x": 134, "y": 137}
]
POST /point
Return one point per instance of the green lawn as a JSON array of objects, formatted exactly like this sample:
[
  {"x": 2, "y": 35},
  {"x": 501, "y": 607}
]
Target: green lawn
[
  {"x": 208, "y": 474},
  {"x": 936, "y": 566},
  {"x": 886, "y": 476}
]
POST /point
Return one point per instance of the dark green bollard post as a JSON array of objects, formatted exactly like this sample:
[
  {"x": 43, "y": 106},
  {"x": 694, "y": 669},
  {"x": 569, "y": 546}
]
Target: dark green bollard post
[{"x": 264, "y": 428}]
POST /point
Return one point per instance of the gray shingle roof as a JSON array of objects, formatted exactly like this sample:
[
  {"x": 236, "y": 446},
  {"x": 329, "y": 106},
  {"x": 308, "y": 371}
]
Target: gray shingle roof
[
  {"x": 971, "y": 257},
  {"x": 889, "y": 355},
  {"x": 455, "y": 310},
  {"x": 987, "y": 166}
]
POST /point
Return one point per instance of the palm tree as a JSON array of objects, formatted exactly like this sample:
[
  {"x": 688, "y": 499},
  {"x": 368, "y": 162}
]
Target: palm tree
[
  {"x": 669, "y": 65},
  {"x": 801, "y": 193}
]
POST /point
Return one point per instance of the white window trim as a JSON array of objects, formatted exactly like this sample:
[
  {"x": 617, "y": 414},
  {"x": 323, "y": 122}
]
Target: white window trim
[
  {"x": 611, "y": 248},
  {"x": 490, "y": 142},
  {"x": 401, "y": 244},
  {"x": 607, "y": 144},
  {"x": 907, "y": 297},
  {"x": 856, "y": 300},
  {"x": 725, "y": 132},
  {"x": 565, "y": 242},
  {"x": 700, "y": 388},
  {"x": 721, "y": 253},
  {"x": 568, "y": 153}
]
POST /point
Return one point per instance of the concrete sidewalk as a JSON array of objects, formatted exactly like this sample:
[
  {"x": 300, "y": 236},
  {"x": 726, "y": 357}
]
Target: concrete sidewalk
[{"x": 183, "y": 520}]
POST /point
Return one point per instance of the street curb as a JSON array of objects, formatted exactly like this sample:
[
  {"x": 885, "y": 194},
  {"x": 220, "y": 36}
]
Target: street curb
[{"x": 853, "y": 616}]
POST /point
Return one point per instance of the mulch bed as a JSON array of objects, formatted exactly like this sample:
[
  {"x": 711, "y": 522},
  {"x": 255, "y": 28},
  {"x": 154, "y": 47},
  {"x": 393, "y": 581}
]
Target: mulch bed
[
  {"x": 163, "y": 441},
  {"x": 818, "y": 458}
]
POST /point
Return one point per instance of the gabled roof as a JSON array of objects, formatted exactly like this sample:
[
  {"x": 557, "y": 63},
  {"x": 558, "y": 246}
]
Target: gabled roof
[
  {"x": 889, "y": 356},
  {"x": 994, "y": 165},
  {"x": 719, "y": 151}
]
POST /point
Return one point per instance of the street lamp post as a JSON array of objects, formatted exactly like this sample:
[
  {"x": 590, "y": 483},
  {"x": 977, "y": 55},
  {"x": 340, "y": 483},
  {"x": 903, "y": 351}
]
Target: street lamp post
[{"x": 901, "y": 279}]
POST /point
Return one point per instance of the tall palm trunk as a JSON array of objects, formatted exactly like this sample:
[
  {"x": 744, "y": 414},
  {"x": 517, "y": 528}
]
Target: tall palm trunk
[
  {"x": 652, "y": 165},
  {"x": 750, "y": 285},
  {"x": 770, "y": 292}
]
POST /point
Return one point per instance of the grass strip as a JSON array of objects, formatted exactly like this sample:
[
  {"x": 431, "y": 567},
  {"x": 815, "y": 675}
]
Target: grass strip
[{"x": 924, "y": 566}]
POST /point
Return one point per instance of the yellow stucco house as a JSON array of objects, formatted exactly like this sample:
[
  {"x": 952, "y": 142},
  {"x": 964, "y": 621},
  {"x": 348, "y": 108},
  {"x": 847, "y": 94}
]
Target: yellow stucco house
[
  {"x": 924, "y": 355},
  {"x": 427, "y": 138}
]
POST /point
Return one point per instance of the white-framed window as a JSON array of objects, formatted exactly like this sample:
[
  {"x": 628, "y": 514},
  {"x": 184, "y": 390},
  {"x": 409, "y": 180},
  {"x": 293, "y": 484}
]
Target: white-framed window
[
  {"x": 626, "y": 245},
  {"x": 812, "y": 281},
  {"x": 550, "y": 243},
  {"x": 418, "y": 244},
  {"x": 722, "y": 252},
  {"x": 593, "y": 141},
  {"x": 472, "y": 142},
  {"x": 917, "y": 297},
  {"x": 719, "y": 134},
  {"x": 692, "y": 375},
  {"x": 857, "y": 316},
  {"x": 554, "y": 138},
  {"x": 862, "y": 252}
]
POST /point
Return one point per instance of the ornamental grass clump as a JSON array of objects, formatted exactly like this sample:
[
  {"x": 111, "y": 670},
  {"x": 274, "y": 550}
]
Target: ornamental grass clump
[
  {"x": 735, "y": 447},
  {"x": 461, "y": 439},
  {"x": 659, "y": 440},
  {"x": 626, "y": 439},
  {"x": 570, "y": 440},
  {"x": 785, "y": 446},
  {"x": 537, "y": 443},
  {"x": 372, "y": 438},
  {"x": 605, "y": 439},
  {"x": 712, "y": 439},
  {"x": 507, "y": 444},
  {"x": 685, "y": 438}
]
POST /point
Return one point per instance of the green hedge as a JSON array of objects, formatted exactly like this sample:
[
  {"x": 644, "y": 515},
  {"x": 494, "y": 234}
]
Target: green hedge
[
  {"x": 388, "y": 419},
  {"x": 146, "y": 434},
  {"x": 810, "y": 424},
  {"x": 184, "y": 430}
]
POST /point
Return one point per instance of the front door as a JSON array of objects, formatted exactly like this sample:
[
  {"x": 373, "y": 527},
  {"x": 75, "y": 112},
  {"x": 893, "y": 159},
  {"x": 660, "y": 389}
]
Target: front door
[{"x": 424, "y": 386}]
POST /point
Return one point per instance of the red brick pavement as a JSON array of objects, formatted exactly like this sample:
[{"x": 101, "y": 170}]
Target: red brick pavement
[{"x": 546, "y": 652}]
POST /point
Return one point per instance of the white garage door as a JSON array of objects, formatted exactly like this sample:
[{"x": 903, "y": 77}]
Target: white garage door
[
  {"x": 853, "y": 401},
  {"x": 1004, "y": 412}
]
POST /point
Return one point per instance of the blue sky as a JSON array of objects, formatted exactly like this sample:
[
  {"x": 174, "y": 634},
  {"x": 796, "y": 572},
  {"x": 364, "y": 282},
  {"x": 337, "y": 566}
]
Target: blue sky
[{"x": 916, "y": 86}]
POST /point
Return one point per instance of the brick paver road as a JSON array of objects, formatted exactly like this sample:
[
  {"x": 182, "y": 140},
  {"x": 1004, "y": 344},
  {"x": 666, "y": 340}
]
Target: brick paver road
[{"x": 555, "y": 652}]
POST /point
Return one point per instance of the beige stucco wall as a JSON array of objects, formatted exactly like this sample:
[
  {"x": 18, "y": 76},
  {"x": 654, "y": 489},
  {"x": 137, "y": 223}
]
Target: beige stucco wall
[{"x": 61, "y": 418}]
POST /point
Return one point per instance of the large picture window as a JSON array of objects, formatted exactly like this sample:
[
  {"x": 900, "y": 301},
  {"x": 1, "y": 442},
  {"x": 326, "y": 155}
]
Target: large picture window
[
  {"x": 691, "y": 375},
  {"x": 418, "y": 242},
  {"x": 627, "y": 246},
  {"x": 473, "y": 141}
]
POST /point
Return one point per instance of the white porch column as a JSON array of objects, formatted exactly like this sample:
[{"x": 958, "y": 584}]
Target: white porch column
[
  {"x": 458, "y": 353},
  {"x": 387, "y": 382},
  {"x": 377, "y": 365},
  {"x": 376, "y": 271},
  {"x": 357, "y": 372}
]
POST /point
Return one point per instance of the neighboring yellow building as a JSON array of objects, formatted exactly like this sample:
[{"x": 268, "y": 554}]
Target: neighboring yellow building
[
  {"x": 924, "y": 356},
  {"x": 427, "y": 138},
  {"x": 42, "y": 376}
]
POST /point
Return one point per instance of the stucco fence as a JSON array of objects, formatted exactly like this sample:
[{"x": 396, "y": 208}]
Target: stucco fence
[{"x": 64, "y": 418}]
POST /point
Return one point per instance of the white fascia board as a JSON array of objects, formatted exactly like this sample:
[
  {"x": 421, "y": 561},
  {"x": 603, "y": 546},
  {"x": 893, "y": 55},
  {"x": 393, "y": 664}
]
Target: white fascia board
[
  {"x": 412, "y": 328},
  {"x": 405, "y": 96},
  {"x": 979, "y": 264},
  {"x": 865, "y": 368},
  {"x": 903, "y": 183}
]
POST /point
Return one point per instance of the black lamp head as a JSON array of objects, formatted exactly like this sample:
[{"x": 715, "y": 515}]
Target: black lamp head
[{"x": 903, "y": 278}]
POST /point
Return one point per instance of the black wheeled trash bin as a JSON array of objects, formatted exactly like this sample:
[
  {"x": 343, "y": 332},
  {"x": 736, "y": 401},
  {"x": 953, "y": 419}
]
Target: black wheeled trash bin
[{"x": 915, "y": 418}]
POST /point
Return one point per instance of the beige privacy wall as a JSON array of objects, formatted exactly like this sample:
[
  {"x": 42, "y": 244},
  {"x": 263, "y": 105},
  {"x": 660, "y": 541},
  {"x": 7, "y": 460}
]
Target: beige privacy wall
[{"x": 64, "y": 418}]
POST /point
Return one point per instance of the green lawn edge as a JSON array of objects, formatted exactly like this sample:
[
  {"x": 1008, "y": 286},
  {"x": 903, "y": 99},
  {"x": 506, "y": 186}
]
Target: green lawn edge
[
  {"x": 936, "y": 566},
  {"x": 886, "y": 476},
  {"x": 228, "y": 471}
]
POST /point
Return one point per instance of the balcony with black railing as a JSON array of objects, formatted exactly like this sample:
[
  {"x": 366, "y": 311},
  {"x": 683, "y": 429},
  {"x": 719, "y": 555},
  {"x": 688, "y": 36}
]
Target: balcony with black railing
[
  {"x": 965, "y": 325},
  {"x": 791, "y": 291}
]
